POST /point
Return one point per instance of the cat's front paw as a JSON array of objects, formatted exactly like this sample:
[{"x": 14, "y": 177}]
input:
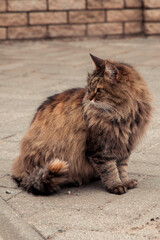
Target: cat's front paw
[
  {"x": 118, "y": 189},
  {"x": 130, "y": 183}
]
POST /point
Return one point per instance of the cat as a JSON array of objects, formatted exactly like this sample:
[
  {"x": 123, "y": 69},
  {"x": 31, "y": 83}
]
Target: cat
[{"x": 86, "y": 133}]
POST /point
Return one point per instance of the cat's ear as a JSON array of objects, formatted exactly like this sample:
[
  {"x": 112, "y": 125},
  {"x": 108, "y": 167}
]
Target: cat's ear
[
  {"x": 111, "y": 70},
  {"x": 99, "y": 63}
]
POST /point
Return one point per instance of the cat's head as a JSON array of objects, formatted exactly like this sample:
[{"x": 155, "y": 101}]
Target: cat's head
[{"x": 114, "y": 85}]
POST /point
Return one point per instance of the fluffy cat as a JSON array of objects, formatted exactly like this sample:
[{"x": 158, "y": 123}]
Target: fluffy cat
[{"x": 86, "y": 133}]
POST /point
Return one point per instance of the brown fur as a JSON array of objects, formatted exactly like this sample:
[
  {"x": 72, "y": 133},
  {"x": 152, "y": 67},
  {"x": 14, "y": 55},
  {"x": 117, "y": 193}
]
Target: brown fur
[{"x": 83, "y": 134}]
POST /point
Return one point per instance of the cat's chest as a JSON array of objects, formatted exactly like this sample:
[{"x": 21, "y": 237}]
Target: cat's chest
[
  {"x": 107, "y": 136},
  {"x": 107, "y": 132}
]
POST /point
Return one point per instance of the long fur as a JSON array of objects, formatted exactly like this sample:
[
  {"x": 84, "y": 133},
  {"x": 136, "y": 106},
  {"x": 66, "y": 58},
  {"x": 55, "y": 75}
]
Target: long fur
[{"x": 86, "y": 133}]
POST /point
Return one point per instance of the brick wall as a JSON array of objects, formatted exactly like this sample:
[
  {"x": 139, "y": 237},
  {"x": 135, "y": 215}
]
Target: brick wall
[
  {"x": 37, "y": 19},
  {"x": 152, "y": 17}
]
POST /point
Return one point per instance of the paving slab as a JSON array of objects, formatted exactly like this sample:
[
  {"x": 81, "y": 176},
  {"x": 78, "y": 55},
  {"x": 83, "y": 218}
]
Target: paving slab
[{"x": 30, "y": 72}]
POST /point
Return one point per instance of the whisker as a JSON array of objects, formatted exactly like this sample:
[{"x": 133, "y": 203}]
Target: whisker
[{"x": 106, "y": 107}]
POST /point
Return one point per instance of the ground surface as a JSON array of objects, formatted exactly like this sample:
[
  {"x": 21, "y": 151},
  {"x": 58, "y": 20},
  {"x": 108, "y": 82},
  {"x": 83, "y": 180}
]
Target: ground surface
[{"x": 31, "y": 71}]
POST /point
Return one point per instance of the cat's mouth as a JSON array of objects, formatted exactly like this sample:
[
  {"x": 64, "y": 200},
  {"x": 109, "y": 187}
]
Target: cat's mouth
[
  {"x": 98, "y": 104},
  {"x": 93, "y": 101}
]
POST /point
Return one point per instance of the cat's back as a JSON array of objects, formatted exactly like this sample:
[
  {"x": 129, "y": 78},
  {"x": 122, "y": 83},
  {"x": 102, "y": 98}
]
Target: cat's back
[{"x": 64, "y": 103}]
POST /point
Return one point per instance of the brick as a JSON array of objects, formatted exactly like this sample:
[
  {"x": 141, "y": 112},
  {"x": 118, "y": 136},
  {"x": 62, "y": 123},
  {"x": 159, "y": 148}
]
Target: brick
[
  {"x": 26, "y": 5},
  {"x": 133, "y": 3},
  {"x": 124, "y": 15},
  {"x": 151, "y": 3},
  {"x": 152, "y": 15},
  {"x": 13, "y": 19},
  {"x": 48, "y": 17},
  {"x": 152, "y": 28},
  {"x": 3, "y": 34},
  {"x": 66, "y": 4},
  {"x": 2, "y": 5},
  {"x": 86, "y": 16},
  {"x": 67, "y": 30},
  {"x": 133, "y": 27},
  {"x": 102, "y": 29},
  {"x": 105, "y": 4},
  {"x": 27, "y": 32}
]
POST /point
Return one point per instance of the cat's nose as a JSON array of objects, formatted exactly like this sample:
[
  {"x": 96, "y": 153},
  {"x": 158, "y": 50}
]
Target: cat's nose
[{"x": 91, "y": 96}]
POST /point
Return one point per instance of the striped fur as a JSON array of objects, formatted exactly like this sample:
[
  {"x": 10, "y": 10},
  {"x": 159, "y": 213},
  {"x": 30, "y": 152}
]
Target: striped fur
[{"x": 86, "y": 133}]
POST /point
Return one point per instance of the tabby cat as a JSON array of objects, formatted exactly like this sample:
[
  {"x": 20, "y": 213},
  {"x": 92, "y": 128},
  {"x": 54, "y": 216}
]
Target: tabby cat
[{"x": 86, "y": 133}]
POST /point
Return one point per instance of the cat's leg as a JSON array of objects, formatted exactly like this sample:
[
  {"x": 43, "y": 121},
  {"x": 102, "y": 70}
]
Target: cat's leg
[
  {"x": 123, "y": 174},
  {"x": 107, "y": 169}
]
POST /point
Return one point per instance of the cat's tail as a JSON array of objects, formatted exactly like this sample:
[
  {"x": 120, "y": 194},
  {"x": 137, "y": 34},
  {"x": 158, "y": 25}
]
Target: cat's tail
[{"x": 47, "y": 180}]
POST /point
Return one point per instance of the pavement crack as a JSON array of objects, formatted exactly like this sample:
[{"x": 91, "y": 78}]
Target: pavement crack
[
  {"x": 37, "y": 231},
  {"x": 13, "y": 196},
  {"x": 12, "y": 135}
]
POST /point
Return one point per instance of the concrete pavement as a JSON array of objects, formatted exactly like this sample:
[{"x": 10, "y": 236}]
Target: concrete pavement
[{"x": 31, "y": 71}]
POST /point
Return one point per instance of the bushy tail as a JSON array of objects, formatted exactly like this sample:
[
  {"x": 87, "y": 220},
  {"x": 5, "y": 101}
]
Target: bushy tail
[{"x": 44, "y": 181}]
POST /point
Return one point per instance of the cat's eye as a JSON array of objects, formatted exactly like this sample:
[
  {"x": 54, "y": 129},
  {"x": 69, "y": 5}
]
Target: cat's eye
[{"x": 99, "y": 90}]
